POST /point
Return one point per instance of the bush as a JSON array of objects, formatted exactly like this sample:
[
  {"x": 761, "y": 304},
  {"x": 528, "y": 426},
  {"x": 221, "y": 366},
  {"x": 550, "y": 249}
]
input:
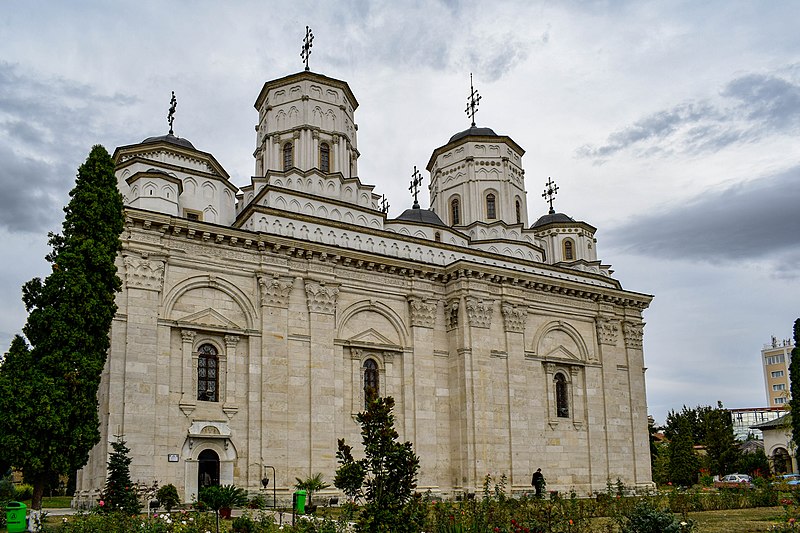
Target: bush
[
  {"x": 168, "y": 497},
  {"x": 645, "y": 518},
  {"x": 23, "y": 492}
]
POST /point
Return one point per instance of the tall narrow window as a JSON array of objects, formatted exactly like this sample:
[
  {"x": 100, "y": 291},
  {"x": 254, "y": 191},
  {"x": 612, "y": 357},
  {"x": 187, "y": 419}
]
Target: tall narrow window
[
  {"x": 491, "y": 208},
  {"x": 324, "y": 157},
  {"x": 288, "y": 156},
  {"x": 371, "y": 384},
  {"x": 455, "y": 212},
  {"x": 207, "y": 374},
  {"x": 562, "y": 403},
  {"x": 437, "y": 237},
  {"x": 518, "y": 211},
  {"x": 569, "y": 252}
]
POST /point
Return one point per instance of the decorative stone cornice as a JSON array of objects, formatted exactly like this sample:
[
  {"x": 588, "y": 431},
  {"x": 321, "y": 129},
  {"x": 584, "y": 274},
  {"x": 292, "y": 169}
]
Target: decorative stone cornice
[
  {"x": 451, "y": 313},
  {"x": 479, "y": 312},
  {"x": 275, "y": 291},
  {"x": 634, "y": 332},
  {"x": 514, "y": 317},
  {"x": 321, "y": 298},
  {"x": 423, "y": 312},
  {"x": 143, "y": 273},
  {"x": 607, "y": 331}
]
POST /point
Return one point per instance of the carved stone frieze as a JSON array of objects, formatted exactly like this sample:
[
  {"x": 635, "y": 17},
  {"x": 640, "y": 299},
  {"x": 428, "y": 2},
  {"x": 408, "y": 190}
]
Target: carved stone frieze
[
  {"x": 479, "y": 312},
  {"x": 607, "y": 331},
  {"x": 321, "y": 298},
  {"x": 634, "y": 331},
  {"x": 423, "y": 312},
  {"x": 144, "y": 273},
  {"x": 451, "y": 313},
  {"x": 514, "y": 317},
  {"x": 275, "y": 291}
]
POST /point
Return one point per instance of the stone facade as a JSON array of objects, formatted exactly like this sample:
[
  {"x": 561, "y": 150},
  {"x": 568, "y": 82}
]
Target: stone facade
[{"x": 502, "y": 357}]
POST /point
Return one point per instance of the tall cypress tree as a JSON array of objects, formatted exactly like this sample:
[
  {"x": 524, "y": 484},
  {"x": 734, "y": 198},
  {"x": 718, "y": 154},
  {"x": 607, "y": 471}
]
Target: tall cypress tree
[
  {"x": 48, "y": 393},
  {"x": 794, "y": 385}
]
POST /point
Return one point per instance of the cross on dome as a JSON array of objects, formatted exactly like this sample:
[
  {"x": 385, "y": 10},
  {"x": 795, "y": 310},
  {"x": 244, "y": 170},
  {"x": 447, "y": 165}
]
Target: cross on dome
[
  {"x": 416, "y": 180},
  {"x": 307, "y": 46},
  {"x": 472, "y": 102},
  {"x": 550, "y": 193},
  {"x": 173, "y": 104}
]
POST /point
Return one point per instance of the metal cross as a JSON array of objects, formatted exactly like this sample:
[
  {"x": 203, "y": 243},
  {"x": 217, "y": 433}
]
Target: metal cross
[
  {"x": 307, "y": 46},
  {"x": 384, "y": 204},
  {"x": 173, "y": 103},
  {"x": 416, "y": 180},
  {"x": 472, "y": 102},
  {"x": 550, "y": 193}
]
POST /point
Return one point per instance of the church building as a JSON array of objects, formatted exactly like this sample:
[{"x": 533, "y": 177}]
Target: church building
[{"x": 253, "y": 321}]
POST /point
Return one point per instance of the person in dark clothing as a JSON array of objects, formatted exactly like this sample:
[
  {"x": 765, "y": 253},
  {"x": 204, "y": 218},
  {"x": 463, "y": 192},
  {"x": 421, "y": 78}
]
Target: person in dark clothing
[{"x": 538, "y": 482}]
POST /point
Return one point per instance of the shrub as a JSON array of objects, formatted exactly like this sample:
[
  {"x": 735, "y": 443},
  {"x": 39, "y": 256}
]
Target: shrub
[
  {"x": 645, "y": 518},
  {"x": 168, "y": 497}
]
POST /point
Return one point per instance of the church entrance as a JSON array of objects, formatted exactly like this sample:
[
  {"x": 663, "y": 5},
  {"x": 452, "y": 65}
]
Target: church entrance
[{"x": 208, "y": 469}]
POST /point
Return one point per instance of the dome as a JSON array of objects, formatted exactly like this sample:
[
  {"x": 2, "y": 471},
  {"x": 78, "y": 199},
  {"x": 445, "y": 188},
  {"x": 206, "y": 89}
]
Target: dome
[
  {"x": 170, "y": 138},
  {"x": 473, "y": 131},
  {"x": 425, "y": 216},
  {"x": 552, "y": 218}
]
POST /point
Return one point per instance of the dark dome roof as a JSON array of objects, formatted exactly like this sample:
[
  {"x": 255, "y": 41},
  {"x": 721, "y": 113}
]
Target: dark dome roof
[
  {"x": 551, "y": 218},
  {"x": 170, "y": 138},
  {"x": 425, "y": 216},
  {"x": 482, "y": 132}
]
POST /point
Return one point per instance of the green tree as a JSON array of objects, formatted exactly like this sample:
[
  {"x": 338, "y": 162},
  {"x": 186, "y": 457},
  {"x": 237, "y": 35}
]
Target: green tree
[
  {"x": 120, "y": 493},
  {"x": 683, "y": 462},
  {"x": 217, "y": 497},
  {"x": 794, "y": 384},
  {"x": 721, "y": 446},
  {"x": 48, "y": 392},
  {"x": 386, "y": 477}
]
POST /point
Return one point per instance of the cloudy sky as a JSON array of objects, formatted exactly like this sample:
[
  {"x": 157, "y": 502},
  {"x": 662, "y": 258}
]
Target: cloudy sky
[{"x": 672, "y": 127}]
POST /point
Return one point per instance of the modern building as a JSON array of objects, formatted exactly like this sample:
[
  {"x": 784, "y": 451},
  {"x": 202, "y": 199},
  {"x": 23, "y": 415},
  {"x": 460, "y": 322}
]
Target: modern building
[
  {"x": 253, "y": 321},
  {"x": 745, "y": 419},
  {"x": 775, "y": 359}
]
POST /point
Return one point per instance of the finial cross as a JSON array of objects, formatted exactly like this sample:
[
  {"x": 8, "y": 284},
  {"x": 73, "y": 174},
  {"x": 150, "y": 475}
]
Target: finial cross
[
  {"x": 307, "y": 46},
  {"x": 550, "y": 193},
  {"x": 472, "y": 102},
  {"x": 416, "y": 180},
  {"x": 173, "y": 104},
  {"x": 384, "y": 204}
]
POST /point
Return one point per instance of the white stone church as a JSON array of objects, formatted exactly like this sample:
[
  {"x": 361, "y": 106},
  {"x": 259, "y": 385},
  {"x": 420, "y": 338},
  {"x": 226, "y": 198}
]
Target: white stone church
[{"x": 252, "y": 321}]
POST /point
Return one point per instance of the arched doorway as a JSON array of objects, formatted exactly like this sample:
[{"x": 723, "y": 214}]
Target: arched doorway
[
  {"x": 781, "y": 462},
  {"x": 208, "y": 469}
]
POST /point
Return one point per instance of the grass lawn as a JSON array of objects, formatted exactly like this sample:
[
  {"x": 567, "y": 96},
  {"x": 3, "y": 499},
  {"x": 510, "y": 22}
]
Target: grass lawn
[{"x": 738, "y": 520}]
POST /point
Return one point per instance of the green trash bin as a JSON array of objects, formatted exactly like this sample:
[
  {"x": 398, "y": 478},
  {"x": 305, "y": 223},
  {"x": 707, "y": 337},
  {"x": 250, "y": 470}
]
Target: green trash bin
[
  {"x": 299, "y": 502},
  {"x": 16, "y": 520}
]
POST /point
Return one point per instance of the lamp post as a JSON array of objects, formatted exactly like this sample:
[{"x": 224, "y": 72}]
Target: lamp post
[{"x": 265, "y": 483}]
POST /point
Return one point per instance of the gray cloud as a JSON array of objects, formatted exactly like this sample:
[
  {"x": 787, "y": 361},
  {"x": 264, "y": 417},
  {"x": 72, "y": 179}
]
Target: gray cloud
[
  {"x": 47, "y": 125},
  {"x": 752, "y": 221},
  {"x": 749, "y": 108}
]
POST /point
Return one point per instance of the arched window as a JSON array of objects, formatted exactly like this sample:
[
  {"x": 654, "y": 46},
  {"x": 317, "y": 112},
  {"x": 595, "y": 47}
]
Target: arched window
[
  {"x": 569, "y": 252},
  {"x": 491, "y": 207},
  {"x": 324, "y": 157},
  {"x": 455, "y": 212},
  {"x": 437, "y": 237},
  {"x": 562, "y": 402},
  {"x": 288, "y": 156},
  {"x": 518, "y": 211},
  {"x": 207, "y": 374},
  {"x": 371, "y": 383}
]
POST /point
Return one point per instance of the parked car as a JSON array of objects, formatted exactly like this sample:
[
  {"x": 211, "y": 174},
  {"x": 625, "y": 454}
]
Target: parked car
[
  {"x": 737, "y": 478},
  {"x": 790, "y": 479},
  {"x": 734, "y": 481}
]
